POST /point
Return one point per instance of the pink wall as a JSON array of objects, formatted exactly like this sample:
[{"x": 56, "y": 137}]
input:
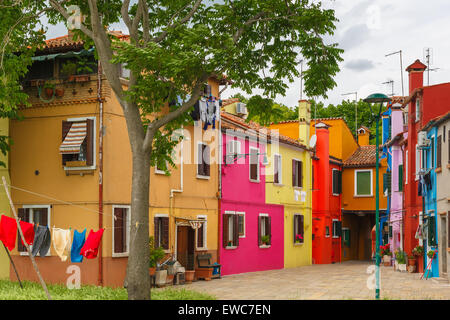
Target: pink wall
[{"x": 240, "y": 194}]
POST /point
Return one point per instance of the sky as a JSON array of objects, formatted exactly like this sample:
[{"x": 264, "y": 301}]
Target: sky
[{"x": 368, "y": 30}]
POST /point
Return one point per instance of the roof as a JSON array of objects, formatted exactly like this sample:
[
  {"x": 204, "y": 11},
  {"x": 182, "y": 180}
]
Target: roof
[
  {"x": 365, "y": 128},
  {"x": 436, "y": 121},
  {"x": 417, "y": 65},
  {"x": 226, "y": 102},
  {"x": 363, "y": 156},
  {"x": 231, "y": 121}
]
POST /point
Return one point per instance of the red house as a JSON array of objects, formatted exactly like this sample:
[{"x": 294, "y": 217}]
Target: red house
[{"x": 423, "y": 104}]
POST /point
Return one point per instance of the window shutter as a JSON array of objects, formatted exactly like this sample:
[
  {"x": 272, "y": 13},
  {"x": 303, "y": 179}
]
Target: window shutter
[
  {"x": 200, "y": 236},
  {"x": 439, "y": 152},
  {"x": 400, "y": 177},
  {"x": 431, "y": 231},
  {"x": 334, "y": 184},
  {"x": 156, "y": 227},
  {"x": 225, "y": 231},
  {"x": 206, "y": 166},
  {"x": 295, "y": 225},
  {"x": 65, "y": 129},
  {"x": 90, "y": 142},
  {"x": 23, "y": 215},
  {"x": 448, "y": 214},
  {"x": 294, "y": 173},
  {"x": 390, "y": 232},
  {"x": 301, "y": 227},
  {"x": 236, "y": 230},
  {"x": 165, "y": 232},
  {"x": 118, "y": 230},
  {"x": 340, "y": 182},
  {"x": 268, "y": 227},
  {"x": 339, "y": 228},
  {"x": 259, "y": 231},
  {"x": 200, "y": 165},
  {"x": 276, "y": 169},
  {"x": 300, "y": 173}
]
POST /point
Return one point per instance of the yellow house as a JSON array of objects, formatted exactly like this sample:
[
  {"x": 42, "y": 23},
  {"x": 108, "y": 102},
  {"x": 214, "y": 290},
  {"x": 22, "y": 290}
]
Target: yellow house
[
  {"x": 63, "y": 190},
  {"x": 282, "y": 187},
  {"x": 4, "y": 202}
]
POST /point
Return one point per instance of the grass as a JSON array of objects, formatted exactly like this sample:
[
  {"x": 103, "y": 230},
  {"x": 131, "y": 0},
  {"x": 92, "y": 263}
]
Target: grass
[{"x": 33, "y": 291}]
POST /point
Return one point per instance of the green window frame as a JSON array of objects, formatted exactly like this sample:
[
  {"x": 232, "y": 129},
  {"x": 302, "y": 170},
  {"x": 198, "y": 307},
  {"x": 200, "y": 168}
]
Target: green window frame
[{"x": 363, "y": 183}]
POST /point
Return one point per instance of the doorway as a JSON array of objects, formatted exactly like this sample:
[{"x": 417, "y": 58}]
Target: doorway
[
  {"x": 186, "y": 246},
  {"x": 443, "y": 241}
]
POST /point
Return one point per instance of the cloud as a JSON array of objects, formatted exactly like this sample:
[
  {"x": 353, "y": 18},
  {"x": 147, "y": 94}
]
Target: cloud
[
  {"x": 354, "y": 36},
  {"x": 360, "y": 65}
]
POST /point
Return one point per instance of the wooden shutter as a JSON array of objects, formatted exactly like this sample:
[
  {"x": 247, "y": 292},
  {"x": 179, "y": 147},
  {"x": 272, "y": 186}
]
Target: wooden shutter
[
  {"x": 439, "y": 152},
  {"x": 259, "y": 231},
  {"x": 200, "y": 236},
  {"x": 90, "y": 142},
  {"x": 206, "y": 165},
  {"x": 276, "y": 169},
  {"x": 236, "y": 230},
  {"x": 340, "y": 182},
  {"x": 295, "y": 224},
  {"x": 24, "y": 215},
  {"x": 225, "y": 231},
  {"x": 119, "y": 230},
  {"x": 65, "y": 129},
  {"x": 335, "y": 182},
  {"x": 301, "y": 227},
  {"x": 268, "y": 227},
  {"x": 165, "y": 232},
  {"x": 431, "y": 231},
  {"x": 294, "y": 173},
  {"x": 300, "y": 173},
  {"x": 400, "y": 177},
  {"x": 253, "y": 163},
  {"x": 156, "y": 222}
]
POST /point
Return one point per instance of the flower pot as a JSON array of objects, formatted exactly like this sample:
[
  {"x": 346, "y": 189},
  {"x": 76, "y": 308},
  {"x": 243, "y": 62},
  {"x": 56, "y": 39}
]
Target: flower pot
[
  {"x": 411, "y": 261},
  {"x": 402, "y": 267},
  {"x": 420, "y": 264},
  {"x": 387, "y": 260},
  {"x": 82, "y": 78},
  {"x": 59, "y": 92},
  {"x": 49, "y": 92},
  {"x": 169, "y": 279},
  {"x": 160, "y": 277},
  {"x": 189, "y": 276}
]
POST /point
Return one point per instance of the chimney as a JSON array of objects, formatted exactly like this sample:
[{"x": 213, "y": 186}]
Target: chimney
[
  {"x": 363, "y": 136},
  {"x": 323, "y": 165},
  {"x": 304, "y": 118},
  {"x": 416, "y": 75}
]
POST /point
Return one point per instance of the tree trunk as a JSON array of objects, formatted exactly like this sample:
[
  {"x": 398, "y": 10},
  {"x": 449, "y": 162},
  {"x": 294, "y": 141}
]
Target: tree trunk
[{"x": 138, "y": 279}]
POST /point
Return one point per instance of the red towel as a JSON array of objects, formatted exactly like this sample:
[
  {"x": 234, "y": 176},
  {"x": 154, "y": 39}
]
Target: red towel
[
  {"x": 8, "y": 231},
  {"x": 28, "y": 232},
  {"x": 90, "y": 248}
]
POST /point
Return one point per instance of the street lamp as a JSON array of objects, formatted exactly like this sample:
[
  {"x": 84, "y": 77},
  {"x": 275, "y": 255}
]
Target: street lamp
[{"x": 372, "y": 100}]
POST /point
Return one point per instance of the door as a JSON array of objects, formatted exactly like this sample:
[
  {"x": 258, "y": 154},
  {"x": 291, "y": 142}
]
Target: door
[
  {"x": 443, "y": 242},
  {"x": 185, "y": 246}
]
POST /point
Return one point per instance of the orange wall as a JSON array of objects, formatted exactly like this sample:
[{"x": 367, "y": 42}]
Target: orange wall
[{"x": 289, "y": 129}]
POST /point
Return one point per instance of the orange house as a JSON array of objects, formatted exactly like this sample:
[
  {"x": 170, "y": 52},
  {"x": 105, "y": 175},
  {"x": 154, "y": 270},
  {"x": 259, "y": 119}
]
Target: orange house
[{"x": 62, "y": 190}]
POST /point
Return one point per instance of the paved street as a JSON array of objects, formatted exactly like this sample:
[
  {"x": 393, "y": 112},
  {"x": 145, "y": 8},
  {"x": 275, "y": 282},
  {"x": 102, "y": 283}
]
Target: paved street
[{"x": 335, "y": 281}]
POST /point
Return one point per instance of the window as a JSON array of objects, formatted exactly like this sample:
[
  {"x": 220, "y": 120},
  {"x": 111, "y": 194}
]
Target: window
[
  {"x": 201, "y": 234},
  {"x": 230, "y": 229},
  {"x": 121, "y": 230},
  {"x": 363, "y": 183},
  {"x": 327, "y": 231},
  {"x": 233, "y": 149},
  {"x": 299, "y": 228},
  {"x": 203, "y": 166},
  {"x": 78, "y": 143},
  {"x": 297, "y": 173},
  {"x": 264, "y": 230},
  {"x": 432, "y": 153},
  {"x": 418, "y": 160},
  {"x": 160, "y": 169},
  {"x": 387, "y": 183},
  {"x": 161, "y": 225},
  {"x": 124, "y": 71},
  {"x": 241, "y": 223},
  {"x": 337, "y": 228},
  {"x": 33, "y": 214},
  {"x": 254, "y": 165},
  {"x": 431, "y": 231},
  {"x": 417, "y": 109},
  {"x": 337, "y": 182},
  {"x": 406, "y": 167},
  {"x": 400, "y": 177},
  {"x": 277, "y": 169},
  {"x": 439, "y": 152},
  {"x": 346, "y": 237}
]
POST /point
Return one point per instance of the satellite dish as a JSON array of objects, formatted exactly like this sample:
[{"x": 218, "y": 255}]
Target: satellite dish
[{"x": 313, "y": 141}]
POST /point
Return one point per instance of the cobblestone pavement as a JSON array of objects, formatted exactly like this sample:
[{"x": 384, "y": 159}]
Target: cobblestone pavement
[{"x": 344, "y": 281}]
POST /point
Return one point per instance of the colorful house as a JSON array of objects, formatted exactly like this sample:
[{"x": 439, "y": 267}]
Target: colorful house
[
  {"x": 423, "y": 104},
  {"x": 289, "y": 184},
  {"x": 252, "y": 237},
  {"x": 63, "y": 190},
  {"x": 4, "y": 202},
  {"x": 358, "y": 197}
]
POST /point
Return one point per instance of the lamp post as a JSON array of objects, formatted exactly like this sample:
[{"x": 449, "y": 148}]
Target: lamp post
[{"x": 372, "y": 100}]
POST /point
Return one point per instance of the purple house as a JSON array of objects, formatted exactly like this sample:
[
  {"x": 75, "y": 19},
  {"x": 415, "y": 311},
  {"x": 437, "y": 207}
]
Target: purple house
[{"x": 251, "y": 236}]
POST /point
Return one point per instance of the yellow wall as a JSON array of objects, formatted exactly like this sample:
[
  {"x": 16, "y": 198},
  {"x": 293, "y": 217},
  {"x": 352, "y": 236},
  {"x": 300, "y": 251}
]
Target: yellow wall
[
  {"x": 4, "y": 203},
  {"x": 294, "y": 254}
]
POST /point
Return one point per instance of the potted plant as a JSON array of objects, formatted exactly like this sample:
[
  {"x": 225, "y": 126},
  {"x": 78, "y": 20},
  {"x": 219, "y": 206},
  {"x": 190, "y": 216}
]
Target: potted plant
[
  {"x": 59, "y": 92},
  {"x": 49, "y": 89},
  {"x": 265, "y": 240},
  {"x": 411, "y": 263},
  {"x": 400, "y": 257},
  {"x": 386, "y": 253},
  {"x": 68, "y": 70},
  {"x": 189, "y": 276},
  {"x": 156, "y": 254},
  {"x": 418, "y": 252},
  {"x": 230, "y": 244},
  {"x": 298, "y": 238},
  {"x": 431, "y": 254}
]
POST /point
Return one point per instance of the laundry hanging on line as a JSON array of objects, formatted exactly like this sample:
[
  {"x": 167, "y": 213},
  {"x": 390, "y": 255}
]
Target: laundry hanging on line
[
  {"x": 8, "y": 231},
  {"x": 90, "y": 247},
  {"x": 28, "y": 232},
  {"x": 78, "y": 241},
  {"x": 42, "y": 241},
  {"x": 61, "y": 242}
]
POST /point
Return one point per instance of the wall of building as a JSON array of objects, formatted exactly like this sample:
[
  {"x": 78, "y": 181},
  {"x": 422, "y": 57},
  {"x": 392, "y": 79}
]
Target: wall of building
[{"x": 4, "y": 202}]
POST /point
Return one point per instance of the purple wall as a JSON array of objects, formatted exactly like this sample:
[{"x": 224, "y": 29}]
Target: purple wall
[{"x": 239, "y": 194}]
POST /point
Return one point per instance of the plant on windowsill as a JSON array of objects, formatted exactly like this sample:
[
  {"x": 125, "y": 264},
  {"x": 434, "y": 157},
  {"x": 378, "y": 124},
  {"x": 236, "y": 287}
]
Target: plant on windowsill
[
  {"x": 230, "y": 244},
  {"x": 418, "y": 251},
  {"x": 298, "y": 238},
  {"x": 265, "y": 240},
  {"x": 156, "y": 254}
]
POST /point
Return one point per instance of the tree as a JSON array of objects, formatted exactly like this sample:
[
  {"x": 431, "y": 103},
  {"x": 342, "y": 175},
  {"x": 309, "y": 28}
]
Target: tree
[{"x": 174, "y": 47}]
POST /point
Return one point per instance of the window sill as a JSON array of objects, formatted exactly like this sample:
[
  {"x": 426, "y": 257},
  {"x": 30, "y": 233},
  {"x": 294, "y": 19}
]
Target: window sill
[
  {"x": 23, "y": 254},
  {"x": 278, "y": 184},
  {"x": 72, "y": 164},
  {"x": 299, "y": 244},
  {"x": 230, "y": 248},
  {"x": 336, "y": 237},
  {"x": 254, "y": 181},
  {"x": 264, "y": 246},
  {"x": 242, "y": 236},
  {"x": 162, "y": 173},
  {"x": 120, "y": 255},
  {"x": 203, "y": 177},
  {"x": 336, "y": 194},
  {"x": 363, "y": 196},
  {"x": 201, "y": 249}
]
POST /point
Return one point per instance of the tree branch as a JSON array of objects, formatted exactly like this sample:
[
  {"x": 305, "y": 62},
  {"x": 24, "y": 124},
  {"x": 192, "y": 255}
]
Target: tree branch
[
  {"x": 58, "y": 7},
  {"x": 188, "y": 17}
]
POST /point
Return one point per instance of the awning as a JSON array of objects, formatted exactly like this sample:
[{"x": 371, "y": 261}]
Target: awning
[
  {"x": 74, "y": 138},
  {"x": 69, "y": 54}
]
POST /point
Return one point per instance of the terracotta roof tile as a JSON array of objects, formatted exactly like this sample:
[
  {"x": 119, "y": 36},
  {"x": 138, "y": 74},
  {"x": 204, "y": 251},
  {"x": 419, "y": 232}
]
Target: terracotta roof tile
[
  {"x": 226, "y": 102},
  {"x": 363, "y": 156}
]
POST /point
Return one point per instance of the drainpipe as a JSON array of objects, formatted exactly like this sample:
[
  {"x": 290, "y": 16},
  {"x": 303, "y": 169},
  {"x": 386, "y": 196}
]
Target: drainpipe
[
  {"x": 172, "y": 196},
  {"x": 100, "y": 173}
]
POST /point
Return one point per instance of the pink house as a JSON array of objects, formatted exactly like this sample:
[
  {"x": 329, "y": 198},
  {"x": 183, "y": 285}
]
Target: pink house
[{"x": 251, "y": 236}]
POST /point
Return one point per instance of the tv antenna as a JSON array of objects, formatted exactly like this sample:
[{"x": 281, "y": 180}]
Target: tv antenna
[
  {"x": 356, "y": 109},
  {"x": 301, "y": 79},
  {"x": 391, "y": 82},
  {"x": 401, "y": 68},
  {"x": 428, "y": 57}
]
